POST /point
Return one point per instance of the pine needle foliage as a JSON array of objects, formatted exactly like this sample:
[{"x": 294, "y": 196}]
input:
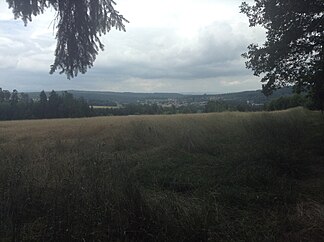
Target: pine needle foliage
[{"x": 79, "y": 24}]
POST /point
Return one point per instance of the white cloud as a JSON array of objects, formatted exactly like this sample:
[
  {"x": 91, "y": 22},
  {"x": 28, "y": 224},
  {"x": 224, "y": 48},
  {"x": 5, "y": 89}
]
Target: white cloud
[{"x": 184, "y": 45}]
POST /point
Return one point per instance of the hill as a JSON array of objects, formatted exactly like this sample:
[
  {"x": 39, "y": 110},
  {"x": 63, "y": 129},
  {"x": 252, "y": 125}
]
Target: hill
[
  {"x": 119, "y": 97},
  {"x": 207, "y": 177},
  {"x": 104, "y": 97},
  {"x": 255, "y": 96}
]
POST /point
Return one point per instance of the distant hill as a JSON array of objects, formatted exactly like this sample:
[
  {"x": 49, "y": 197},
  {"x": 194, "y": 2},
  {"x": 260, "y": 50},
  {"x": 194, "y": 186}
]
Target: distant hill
[
  {"x": 120, "y": 97},
  {"x": 255, "y": 96},
  {"x": 123, "y": 97},
  {"x": 102, "y": 97}
]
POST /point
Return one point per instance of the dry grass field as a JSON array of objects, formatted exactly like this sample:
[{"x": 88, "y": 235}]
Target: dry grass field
[{"x": 203, "y": 177}]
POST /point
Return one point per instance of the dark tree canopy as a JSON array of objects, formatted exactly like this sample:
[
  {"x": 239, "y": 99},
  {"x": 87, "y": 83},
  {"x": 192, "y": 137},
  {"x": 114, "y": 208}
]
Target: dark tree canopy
[
  {"x": 79, "y": 24},
  {"x": 293, "y": 52}
]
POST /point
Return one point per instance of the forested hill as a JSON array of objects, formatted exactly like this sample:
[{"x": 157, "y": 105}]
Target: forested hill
[
  {"x": 120, "y": 97},
  {"x": 256, "y": 96},
  {"x": 132, "y": 97}
]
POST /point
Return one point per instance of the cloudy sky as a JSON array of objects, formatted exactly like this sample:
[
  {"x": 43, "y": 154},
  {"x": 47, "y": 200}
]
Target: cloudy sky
[{"x": 169, "y": 46}]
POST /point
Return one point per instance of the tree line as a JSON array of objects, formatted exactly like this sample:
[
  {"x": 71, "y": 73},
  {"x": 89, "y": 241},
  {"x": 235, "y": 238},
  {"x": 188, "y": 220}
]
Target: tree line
[{"x": 16, "y": 106}]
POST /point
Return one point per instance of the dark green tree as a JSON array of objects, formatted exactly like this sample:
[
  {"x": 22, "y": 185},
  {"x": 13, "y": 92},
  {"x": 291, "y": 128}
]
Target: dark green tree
[
  {"x": 53, "y": 104},
  {"x": 6, "y": 95},
  {"x": 14, "y": 97},
  {"x": 216, "y": 106},
  {"x": 67, "y": 106},
  {"x": 79, "y": 25},
  {"x": 292, "y": 54},
  {"x": 24, "y": 98},
  {"x": 42, "y": 110},
  {"x": 43, "y": 98},
  {"x": 282, "y": 103},
  {"x": 1, "y": 95}
]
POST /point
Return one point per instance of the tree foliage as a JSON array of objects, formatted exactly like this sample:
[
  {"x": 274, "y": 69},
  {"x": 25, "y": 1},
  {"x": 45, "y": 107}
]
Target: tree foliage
[
  {"x": 293, "y": 51},
  {"x": 15, "y": 106},
  {"x": 79, "y": 24},
  {"x": 287, "y": 102}
]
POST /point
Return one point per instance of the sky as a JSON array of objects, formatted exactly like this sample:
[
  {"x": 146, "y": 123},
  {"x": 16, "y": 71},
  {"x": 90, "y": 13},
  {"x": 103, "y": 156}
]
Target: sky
[{"x": 184, "y": 46}]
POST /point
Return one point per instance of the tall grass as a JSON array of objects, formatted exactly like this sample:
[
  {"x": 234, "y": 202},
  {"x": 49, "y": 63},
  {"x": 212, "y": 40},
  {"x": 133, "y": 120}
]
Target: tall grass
[{"x": 206, "y": 177}]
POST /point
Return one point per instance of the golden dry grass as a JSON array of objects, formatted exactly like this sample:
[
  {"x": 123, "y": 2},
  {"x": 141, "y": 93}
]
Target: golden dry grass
[{"x": 197, "y": 177}]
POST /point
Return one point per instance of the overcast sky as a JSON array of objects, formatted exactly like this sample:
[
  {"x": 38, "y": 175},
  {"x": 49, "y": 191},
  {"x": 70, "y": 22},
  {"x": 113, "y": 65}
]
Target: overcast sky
[{"x": 169, "y": 46}]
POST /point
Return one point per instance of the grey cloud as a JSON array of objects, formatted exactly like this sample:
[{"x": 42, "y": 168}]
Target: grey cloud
[
  {"x": 25, "y": 48},
  {"x": 160, "y": 54},
  {"x": 152, "y": 57}
]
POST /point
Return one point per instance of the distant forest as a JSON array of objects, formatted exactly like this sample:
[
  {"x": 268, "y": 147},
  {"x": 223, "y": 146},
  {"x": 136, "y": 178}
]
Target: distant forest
[
  {"x": 18, "y": 106},
  {"x": 15, "y": 106}
]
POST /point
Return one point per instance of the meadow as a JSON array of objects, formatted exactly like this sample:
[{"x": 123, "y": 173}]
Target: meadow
[{"x": 199, "y": 177}]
